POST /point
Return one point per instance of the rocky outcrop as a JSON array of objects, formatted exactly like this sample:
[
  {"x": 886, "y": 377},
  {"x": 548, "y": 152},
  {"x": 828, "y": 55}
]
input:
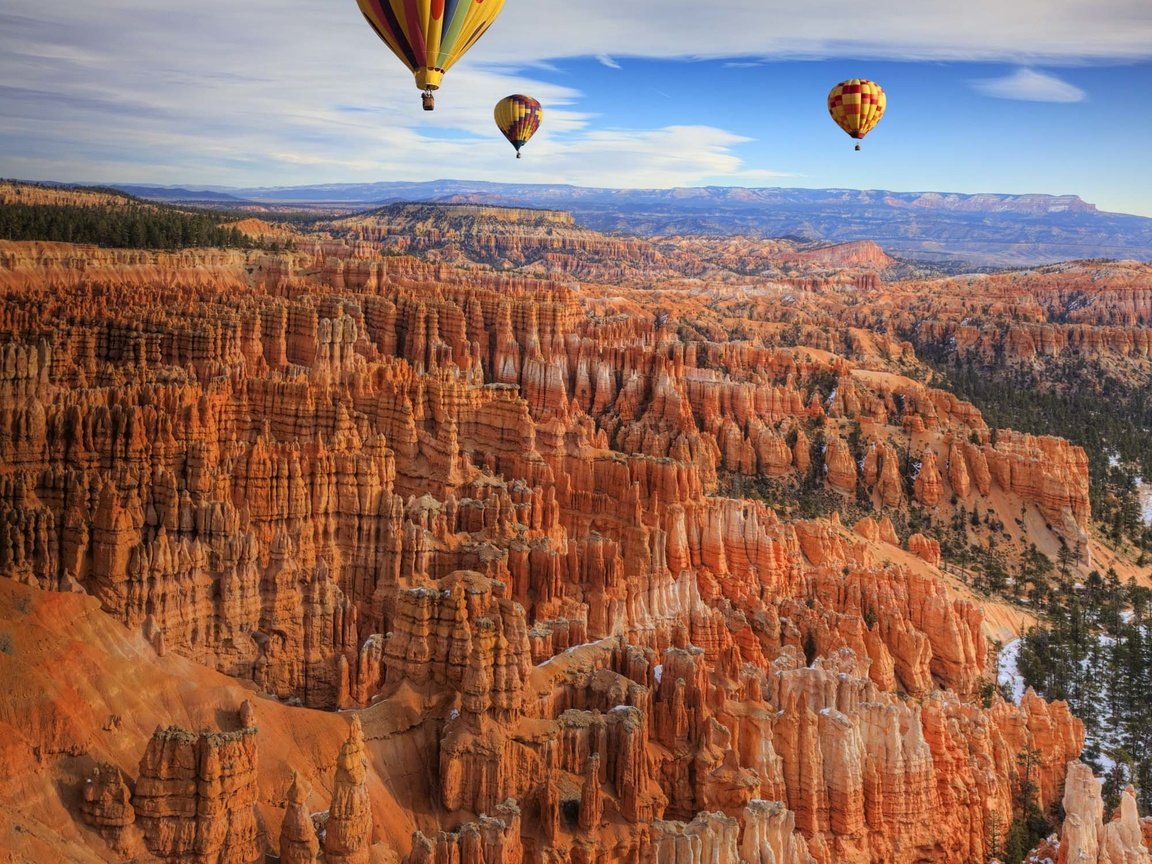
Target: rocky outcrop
[
  {"x": 348, "y": 831},
  {"x": 770, "y": 837},
  {"x": 106, "y": 805},
  {"x": 489, "y": 840},
  {"x": 1085, "y": 837},
  {"x": 298, "y": 841},
  {"x": 195, "y": 797}
]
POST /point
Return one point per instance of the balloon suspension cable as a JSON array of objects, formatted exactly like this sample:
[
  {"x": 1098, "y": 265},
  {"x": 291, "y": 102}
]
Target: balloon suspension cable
[{"x": 428, "y": 99}]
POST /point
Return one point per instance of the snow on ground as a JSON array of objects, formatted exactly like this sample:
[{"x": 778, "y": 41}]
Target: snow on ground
[
  {"x": 1144, "y": 494},
  {"x": 1007, "y": 673},
  {"x": 1143, "y": 490}
]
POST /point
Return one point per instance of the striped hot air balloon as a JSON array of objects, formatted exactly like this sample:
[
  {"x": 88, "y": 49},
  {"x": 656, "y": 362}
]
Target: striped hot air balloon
[
  {"x": 857, "y": 106},
  {"x": 518, "y": 117},
  {"x": 430, "y": 35}
]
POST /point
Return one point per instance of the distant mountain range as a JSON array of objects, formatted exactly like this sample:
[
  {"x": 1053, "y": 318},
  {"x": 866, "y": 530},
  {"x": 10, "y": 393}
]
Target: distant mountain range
[{"x": 946, "y": 228}]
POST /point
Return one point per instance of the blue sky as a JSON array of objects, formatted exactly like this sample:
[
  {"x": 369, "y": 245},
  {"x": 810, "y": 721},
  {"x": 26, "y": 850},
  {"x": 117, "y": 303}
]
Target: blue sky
[{"x": 1026, "y": 96}]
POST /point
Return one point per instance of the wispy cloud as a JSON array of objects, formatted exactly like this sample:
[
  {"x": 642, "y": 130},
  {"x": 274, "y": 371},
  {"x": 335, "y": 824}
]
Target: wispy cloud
[
  {"x": 306, "y": 94},
  {"x": 282, "y": 91},
  {"x": 605, "y": 60},
  {"x": 1017, "y": 31},
  {"x": 1028, "y": 85}
]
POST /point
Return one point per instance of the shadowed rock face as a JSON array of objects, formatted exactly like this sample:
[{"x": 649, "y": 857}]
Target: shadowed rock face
[{"x": 507, "y": 513}]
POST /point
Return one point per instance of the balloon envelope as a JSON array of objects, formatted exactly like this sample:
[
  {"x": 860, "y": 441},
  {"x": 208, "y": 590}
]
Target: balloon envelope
[
  {"x": 518, "y": 117},
  {"x": 857, "y": 105},
  {"x": 430, "y": 35}
]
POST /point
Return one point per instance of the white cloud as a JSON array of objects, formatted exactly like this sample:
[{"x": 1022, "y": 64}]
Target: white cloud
[
  {"x": 252, "y": 95},
  {"x": 1017, "y": 30},
  {"x": 283, "y": 91},
  {"x": 1028, "y": 85},
  {"x": 605, "y": 60}
]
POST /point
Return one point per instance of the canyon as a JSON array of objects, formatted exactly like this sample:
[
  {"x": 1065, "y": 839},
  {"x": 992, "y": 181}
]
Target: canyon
[
  {"x": 953, "y": 229},
  {"x": 470, "y": 535}
]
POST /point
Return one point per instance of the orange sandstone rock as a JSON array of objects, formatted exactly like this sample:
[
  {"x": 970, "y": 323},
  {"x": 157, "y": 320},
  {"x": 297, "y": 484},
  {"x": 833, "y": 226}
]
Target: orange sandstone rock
[{"x": 348, "y": 831}]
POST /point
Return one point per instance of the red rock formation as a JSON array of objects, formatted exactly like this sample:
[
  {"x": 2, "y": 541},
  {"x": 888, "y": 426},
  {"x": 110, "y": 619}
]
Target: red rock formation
[
  {"x": 489, "y": 840},
  {"x": 298, "y": 841},
  {"x": 925, "y": 548},
  {"x": 708, "y": 837},
  {"x": 1048, "y": 471},
  {"x": 196, "y": 794},
  {"x": 591, "y": 796},
  {"x": 840, "y": 467},
  {"x": 927, "y": 485},
  {"x": 770, "y": 837},
  {"x": 348, "y": 831},
  {"x": 106, "y": 805}
]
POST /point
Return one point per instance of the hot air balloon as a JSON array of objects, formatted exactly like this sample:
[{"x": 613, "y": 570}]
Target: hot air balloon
[
  {"x": 518, "y": 117},
  {"x": 430, "y": 35},
  {"x": 857, "y": 106}
]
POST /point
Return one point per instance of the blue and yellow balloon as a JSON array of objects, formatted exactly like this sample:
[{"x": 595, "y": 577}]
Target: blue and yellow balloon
[{"x": 430, "y": 35}]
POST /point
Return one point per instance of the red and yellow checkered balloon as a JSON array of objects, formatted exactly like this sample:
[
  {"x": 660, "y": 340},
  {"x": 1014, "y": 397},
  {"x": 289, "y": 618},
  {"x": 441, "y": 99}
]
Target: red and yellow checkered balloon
[{"x": 857, "y": 106}]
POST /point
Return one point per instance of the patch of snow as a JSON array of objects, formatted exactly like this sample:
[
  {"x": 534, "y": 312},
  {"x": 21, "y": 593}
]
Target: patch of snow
[
  {"x": 454, "y": 713},
  {"x": 658, "y": 671},
  {"x": 832, "y": 396},
  {"x": 1144, "y": 493},
  {"x": 1007, "y": 671},
  {"x": 1107, "y": 765}
]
